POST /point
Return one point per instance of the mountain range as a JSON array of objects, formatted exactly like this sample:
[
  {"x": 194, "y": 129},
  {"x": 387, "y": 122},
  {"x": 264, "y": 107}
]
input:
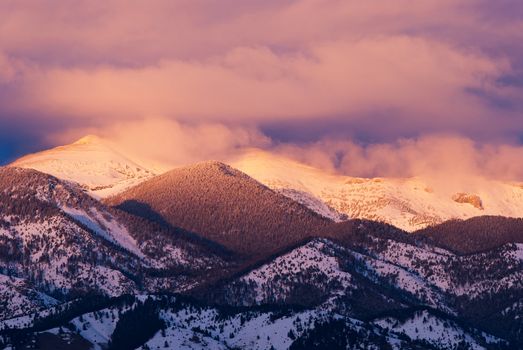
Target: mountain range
[
  {"x": 408, "y": 203},
  {"x": 256, "y": 252}
]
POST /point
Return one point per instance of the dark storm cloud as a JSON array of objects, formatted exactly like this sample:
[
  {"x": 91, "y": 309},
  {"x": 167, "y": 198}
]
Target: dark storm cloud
[{"x": 24, "y": 134}]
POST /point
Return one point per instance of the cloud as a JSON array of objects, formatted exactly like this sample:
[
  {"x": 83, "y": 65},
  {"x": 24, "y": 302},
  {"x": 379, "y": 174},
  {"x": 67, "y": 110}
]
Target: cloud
[
  {"x": 446, "y": 161},
  {"x": 417, "y": 80},
  {"x": 163, "y": 143},
  {"x": 449, "y": 161},
  {"x": 140, "y": 32},
  {"x": 298, "y": 70},
  {"x": 7, "y": 69}
]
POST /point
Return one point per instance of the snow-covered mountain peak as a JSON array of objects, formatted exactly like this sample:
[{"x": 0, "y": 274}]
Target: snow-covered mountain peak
[
  {"x": 91, "y": 162},
  {"x": 288, "y": 177},
  {"x": 408, "y": 203},
  {"x": 89, "y": 140}
]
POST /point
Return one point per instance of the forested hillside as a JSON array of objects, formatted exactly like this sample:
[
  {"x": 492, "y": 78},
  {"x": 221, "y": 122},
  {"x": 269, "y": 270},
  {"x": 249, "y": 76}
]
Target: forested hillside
[
  {"x": 224, "y": 205},
  {"x": 476, "y": 234}
]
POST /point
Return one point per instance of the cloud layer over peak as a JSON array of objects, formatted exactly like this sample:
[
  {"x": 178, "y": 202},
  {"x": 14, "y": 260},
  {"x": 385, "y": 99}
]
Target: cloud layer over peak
[{"x": 290, "y": 73}]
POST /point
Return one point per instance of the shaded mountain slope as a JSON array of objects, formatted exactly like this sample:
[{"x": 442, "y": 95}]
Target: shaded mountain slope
[
  {"x": 223, "y": 205},
  {"x": 65, "y": 243},
  {"x": 304, "y": 280},
  {"x": 177, "y": 322},
  {"x": 475, "y": 234},
  {"x": 384, "y": 277}
]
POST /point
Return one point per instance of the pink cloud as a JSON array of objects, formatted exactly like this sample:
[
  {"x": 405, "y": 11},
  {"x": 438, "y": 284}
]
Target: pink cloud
[
  {"x": 164, "y": 143},
  {"x": 421, "y": 79},
  {"x": 7, "y": 71},
  {"x": 389, "y": 70},
  {"x": 446, "y": 160}
]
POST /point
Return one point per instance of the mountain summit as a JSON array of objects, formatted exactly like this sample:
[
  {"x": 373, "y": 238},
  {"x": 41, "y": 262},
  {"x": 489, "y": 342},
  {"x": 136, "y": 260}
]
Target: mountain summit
[
  {"x": 91, "y": 162},
  {"x": 89, "y": 140},
  {"x": 150, "y": 270},
  {"x": 222, "y": 204},
  {"x": 407, "y": 203}
]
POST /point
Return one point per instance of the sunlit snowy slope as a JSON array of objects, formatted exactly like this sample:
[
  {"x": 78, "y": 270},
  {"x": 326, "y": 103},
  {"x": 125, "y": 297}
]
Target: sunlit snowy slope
[
  {"x": 90, "y": 162},
  {"x": 409, "y": 203}
]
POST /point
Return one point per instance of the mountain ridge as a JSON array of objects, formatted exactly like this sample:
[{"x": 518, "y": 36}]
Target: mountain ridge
[
  {"x": 410, "y": 203},
  {"x": 407, "y": 203},
  {"x": 207, "y": 256},
  {"x": 223, "y": 204},
  {"x": 54, "y": 233}
]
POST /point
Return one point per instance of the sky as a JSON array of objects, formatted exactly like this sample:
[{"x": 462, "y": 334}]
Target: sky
[{"x": 366, "y": 88}]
